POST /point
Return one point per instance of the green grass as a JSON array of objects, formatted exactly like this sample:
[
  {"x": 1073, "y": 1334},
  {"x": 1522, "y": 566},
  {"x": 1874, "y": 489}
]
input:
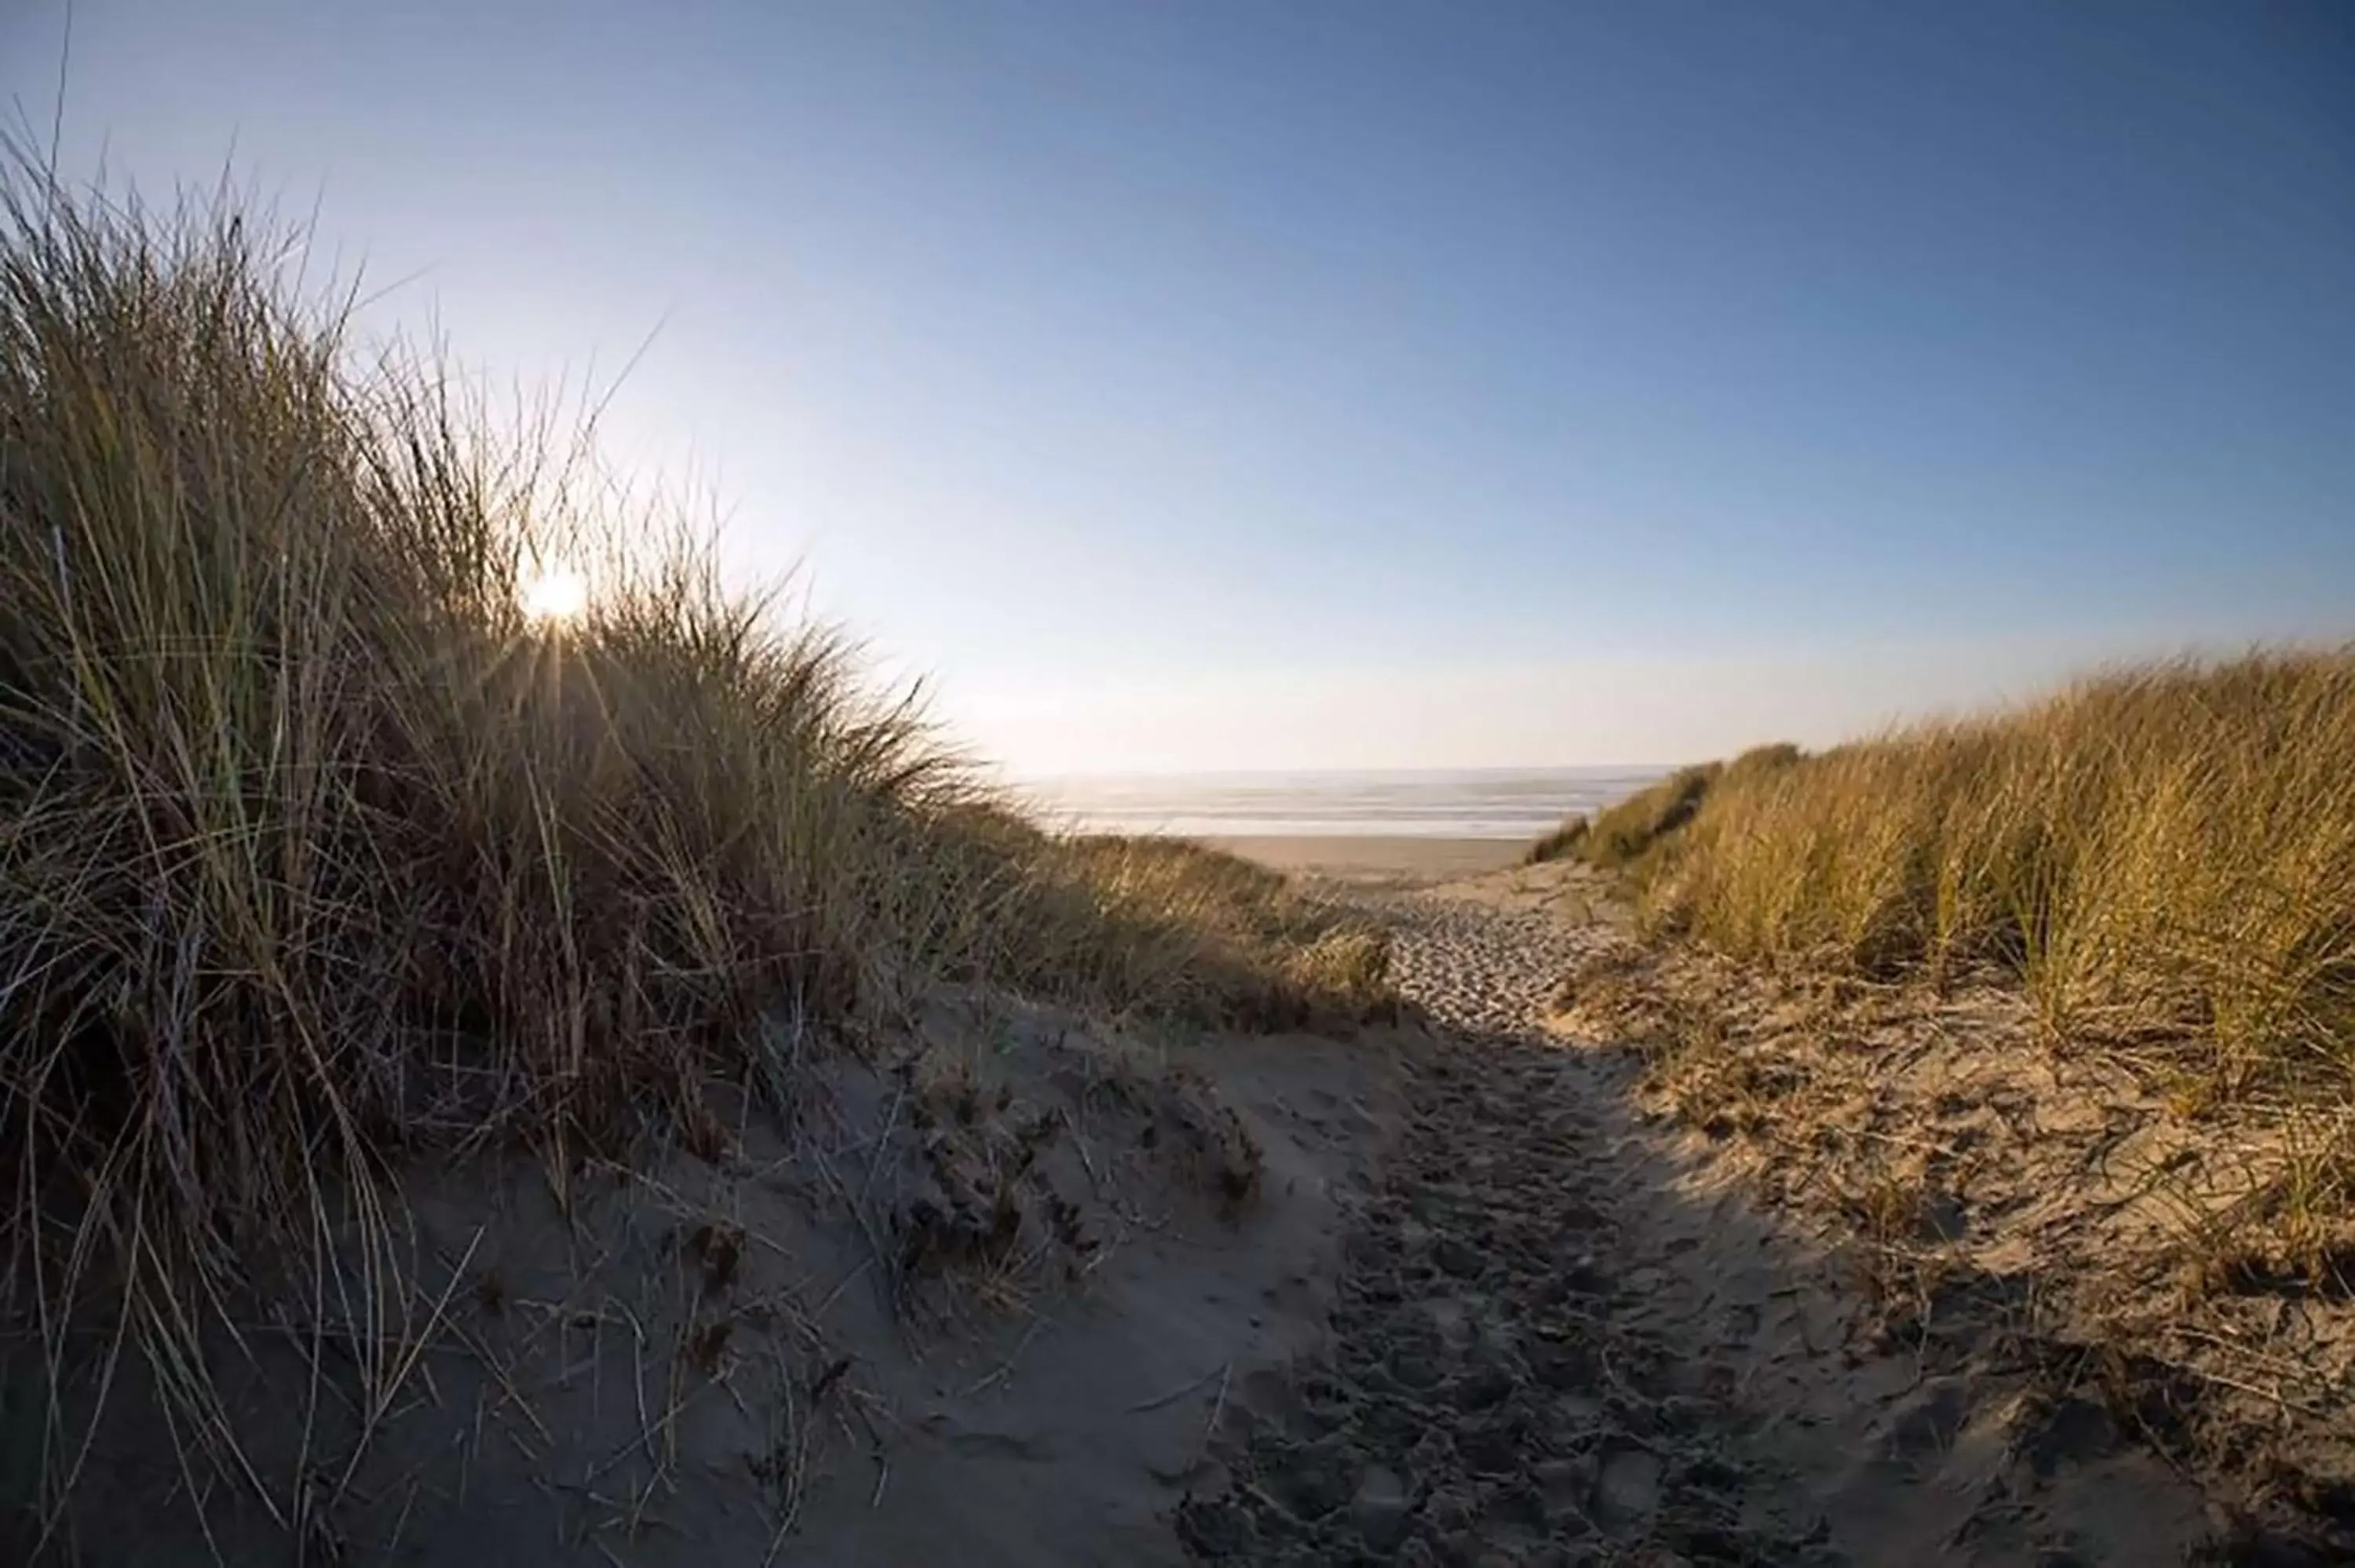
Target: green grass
[
  {"x": 316, "y": 852},
  {"x": 2168, "y": 848}
]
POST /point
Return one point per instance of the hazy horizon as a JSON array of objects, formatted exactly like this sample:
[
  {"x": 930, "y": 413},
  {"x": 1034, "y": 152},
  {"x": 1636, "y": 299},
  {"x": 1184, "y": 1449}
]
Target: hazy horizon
[
  {"x": 1512, "y": 804},
  {"x": 1494, "y": 769},
  {"x": 1374, "y": 386}
]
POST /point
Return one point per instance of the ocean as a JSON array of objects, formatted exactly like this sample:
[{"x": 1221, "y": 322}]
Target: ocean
[{"x": 1475, "y": 803}]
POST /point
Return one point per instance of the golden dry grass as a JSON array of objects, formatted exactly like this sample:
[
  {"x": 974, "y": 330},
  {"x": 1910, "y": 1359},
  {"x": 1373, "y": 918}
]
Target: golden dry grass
[
  {"x": 1624, "y": 835},
  {"x": 316, "y": 849},
  {"x": 2164, "y": 849}
]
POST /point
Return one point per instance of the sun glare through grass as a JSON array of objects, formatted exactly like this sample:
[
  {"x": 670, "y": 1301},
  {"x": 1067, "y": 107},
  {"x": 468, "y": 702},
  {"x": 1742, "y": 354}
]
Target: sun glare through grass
[
  {"x": 399, "y": 853},
  {"x": 555, "y": 595}
]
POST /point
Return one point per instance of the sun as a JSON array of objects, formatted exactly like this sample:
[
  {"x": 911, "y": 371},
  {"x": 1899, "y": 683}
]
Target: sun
[{"x": 555, "y": 594}]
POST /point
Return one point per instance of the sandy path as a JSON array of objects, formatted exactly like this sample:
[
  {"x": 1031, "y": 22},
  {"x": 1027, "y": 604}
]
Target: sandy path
[
  {"x": 1558, "y": 1340},
  {"x": 1494, "y": 1393}
]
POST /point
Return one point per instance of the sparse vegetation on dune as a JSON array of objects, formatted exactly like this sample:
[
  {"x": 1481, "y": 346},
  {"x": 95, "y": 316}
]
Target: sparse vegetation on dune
[
  {"x": 315, "y": 847},
  {"x": 2060, "y": 1000},
  {"x": 2165, "y": 848},
  {"x": 2161, "y": 860}
]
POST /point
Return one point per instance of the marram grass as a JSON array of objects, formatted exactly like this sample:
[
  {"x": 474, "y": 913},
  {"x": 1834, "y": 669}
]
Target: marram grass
[
  {"x": 316, "y": 848},
  {"x": 1624, "y": 835},
  {"x": 2166, "y": 849}
]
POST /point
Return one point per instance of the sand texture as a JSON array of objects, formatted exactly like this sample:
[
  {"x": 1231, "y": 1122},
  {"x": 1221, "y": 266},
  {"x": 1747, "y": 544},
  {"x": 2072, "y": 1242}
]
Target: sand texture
[
  {"x": 1603, "y": 1255},
  {"x": 981, "y": 1307}
]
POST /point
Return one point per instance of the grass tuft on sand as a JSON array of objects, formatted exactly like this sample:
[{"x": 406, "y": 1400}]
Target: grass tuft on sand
[{"x": 319, "y": 846}]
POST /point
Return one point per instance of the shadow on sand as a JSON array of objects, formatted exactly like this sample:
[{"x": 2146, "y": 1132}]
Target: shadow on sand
[{"x": 1560, "y": 1339}]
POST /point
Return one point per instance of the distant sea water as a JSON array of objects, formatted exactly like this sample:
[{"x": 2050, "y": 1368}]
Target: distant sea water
[{"x": 1476, "y": 803}]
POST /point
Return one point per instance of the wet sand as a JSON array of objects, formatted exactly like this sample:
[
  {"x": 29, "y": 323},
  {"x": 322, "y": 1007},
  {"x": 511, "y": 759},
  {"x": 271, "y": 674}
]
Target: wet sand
[{"x": 1396, "y": 858}]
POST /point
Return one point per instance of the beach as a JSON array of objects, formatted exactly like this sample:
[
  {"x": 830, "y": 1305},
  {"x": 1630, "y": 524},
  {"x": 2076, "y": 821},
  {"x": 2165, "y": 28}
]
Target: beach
[
  {"x": 1504, "y": 804},
  {"x": 523, "y": 1043},
  {"x": 1367, "y": 828},
  {"x": 1372, "y": 857}
]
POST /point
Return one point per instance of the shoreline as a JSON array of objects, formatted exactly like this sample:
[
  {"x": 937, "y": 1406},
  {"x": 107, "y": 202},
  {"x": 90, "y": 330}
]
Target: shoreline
[{"x": 1366, "y": 856}]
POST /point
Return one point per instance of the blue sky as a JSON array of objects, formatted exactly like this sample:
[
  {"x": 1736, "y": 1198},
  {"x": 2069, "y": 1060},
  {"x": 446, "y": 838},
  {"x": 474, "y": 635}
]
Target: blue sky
[{"x": 1362, "y": 385}]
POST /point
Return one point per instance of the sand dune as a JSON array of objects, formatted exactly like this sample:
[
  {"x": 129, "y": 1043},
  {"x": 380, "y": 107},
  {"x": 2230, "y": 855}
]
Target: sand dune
[{"x": 1490, "y": 1286}]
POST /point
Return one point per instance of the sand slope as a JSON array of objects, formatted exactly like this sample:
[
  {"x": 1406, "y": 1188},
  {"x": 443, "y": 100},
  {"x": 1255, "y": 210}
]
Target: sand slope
[{"x": 981, "y": 1307}]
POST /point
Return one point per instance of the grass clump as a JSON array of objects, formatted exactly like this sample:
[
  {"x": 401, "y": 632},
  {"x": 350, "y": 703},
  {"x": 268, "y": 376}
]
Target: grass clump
[
  {"x": 1211, "y": 935},
  {"x": 2169, "y": 847},
  {"x": 1164, "y": 926},
  {"x": 1563, "y": 843},
  {"x": 316, "y": 849},
  {"x": 1626, "y": 833},
  {"x": 1625, "y": 836}
]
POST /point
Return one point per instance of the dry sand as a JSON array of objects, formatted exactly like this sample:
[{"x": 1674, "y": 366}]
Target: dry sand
[
  {"x": 983, "y": 1302},
  {"x": 1395, "y": 858},
  {"x": 1481, "y": 1290}
]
